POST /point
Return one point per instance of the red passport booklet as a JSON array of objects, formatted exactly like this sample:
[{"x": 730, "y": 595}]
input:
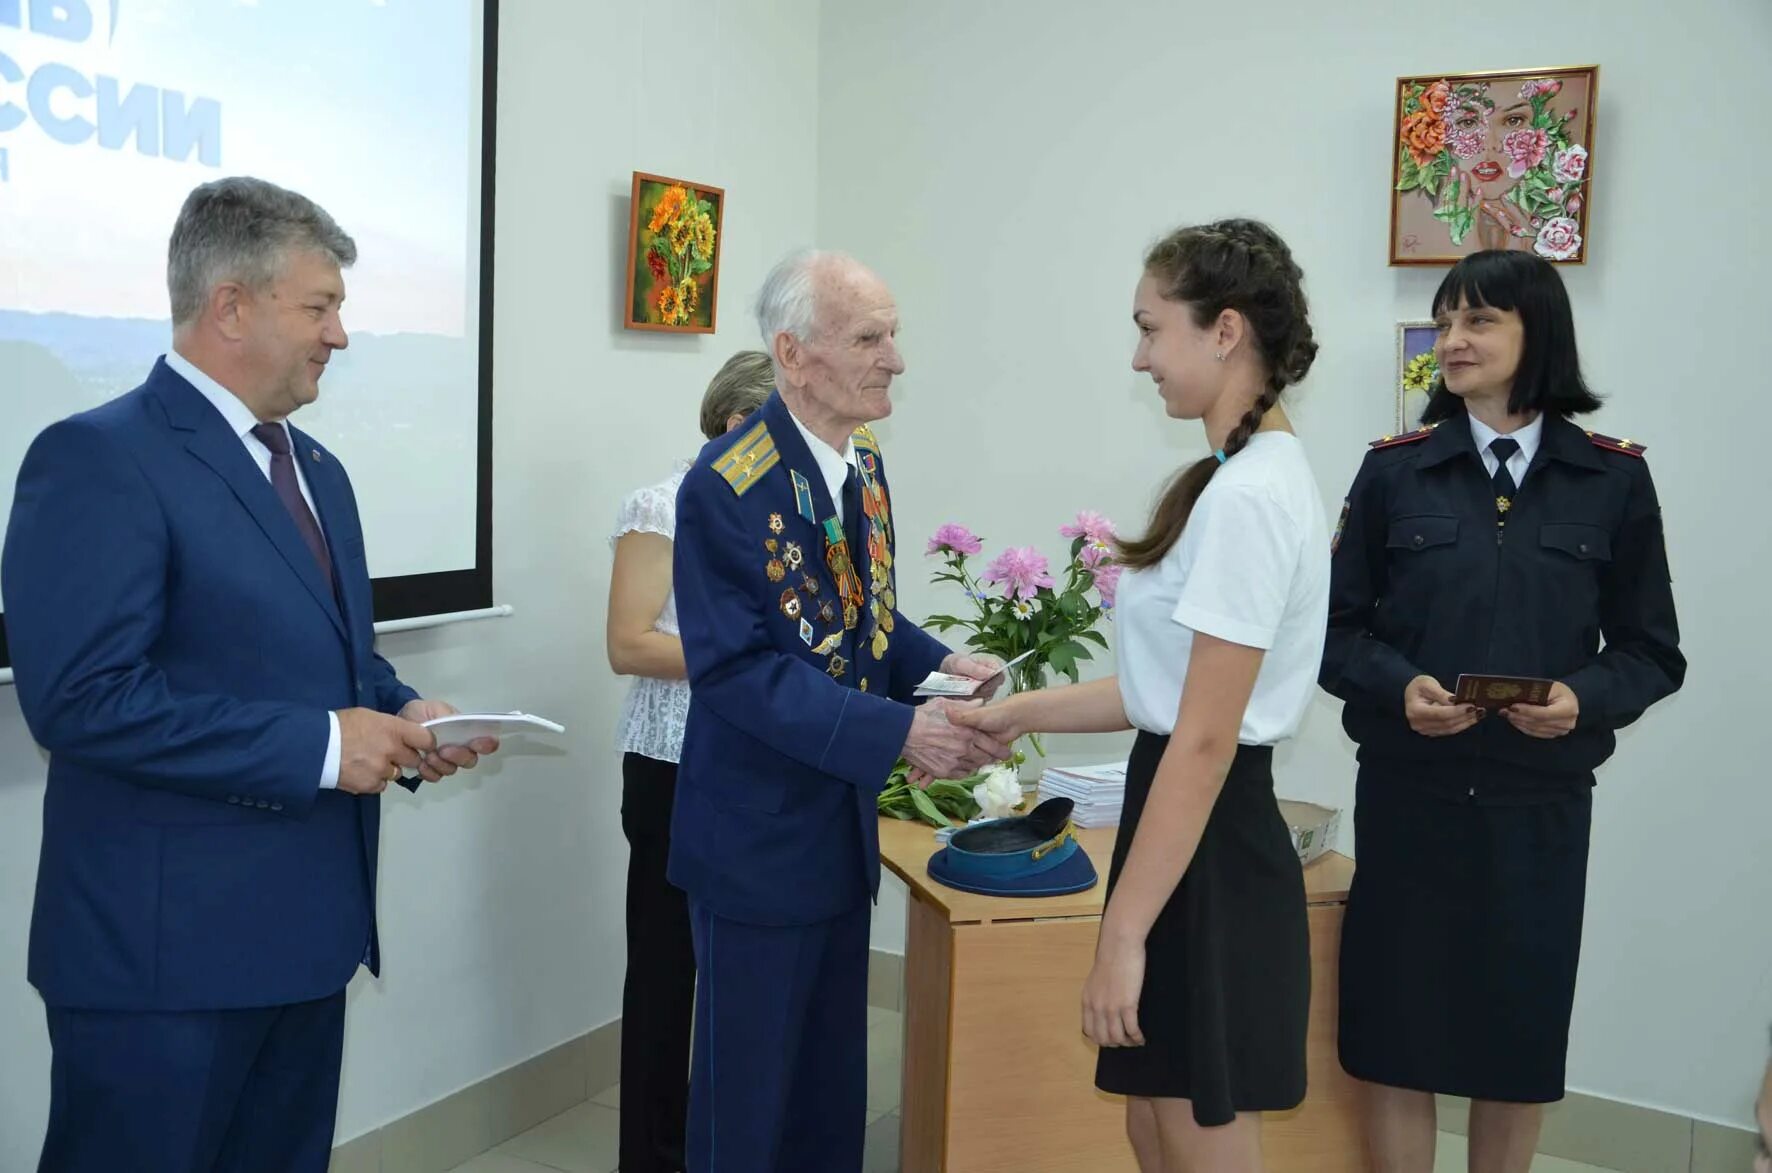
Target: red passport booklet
[{"x": 1497, "y": 692}]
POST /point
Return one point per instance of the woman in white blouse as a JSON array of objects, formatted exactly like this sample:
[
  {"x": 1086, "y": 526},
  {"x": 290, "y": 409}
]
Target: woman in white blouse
[
  {"x": 659, "y": 995},
  {"x": 1201, "y": 986}
]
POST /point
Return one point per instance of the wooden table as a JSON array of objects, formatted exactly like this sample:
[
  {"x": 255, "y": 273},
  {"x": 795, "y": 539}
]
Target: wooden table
[{"x": 997, "y": 1073}]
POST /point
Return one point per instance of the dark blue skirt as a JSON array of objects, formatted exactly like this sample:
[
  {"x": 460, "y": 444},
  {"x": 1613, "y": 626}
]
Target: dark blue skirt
[{"x": 1463, "y": 928}]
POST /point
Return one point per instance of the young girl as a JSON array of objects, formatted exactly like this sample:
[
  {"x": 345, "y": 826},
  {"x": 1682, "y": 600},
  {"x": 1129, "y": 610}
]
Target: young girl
[{"x": 1201, "y": 987}]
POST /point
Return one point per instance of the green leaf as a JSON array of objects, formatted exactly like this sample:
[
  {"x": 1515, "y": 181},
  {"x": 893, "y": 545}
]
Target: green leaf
[
  {"x": 1094, "y": 637},
  {"x": 1063, "y": 659},
  {"x": 926, "y": 808}
]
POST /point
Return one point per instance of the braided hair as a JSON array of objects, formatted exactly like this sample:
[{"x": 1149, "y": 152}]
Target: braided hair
[{"x": 1241, "y": 265}]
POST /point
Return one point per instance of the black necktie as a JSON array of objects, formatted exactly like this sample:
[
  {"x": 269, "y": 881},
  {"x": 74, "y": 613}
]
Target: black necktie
[
  {"x": 283, "y": 480},
  {"x": 1504, "y": 448}
]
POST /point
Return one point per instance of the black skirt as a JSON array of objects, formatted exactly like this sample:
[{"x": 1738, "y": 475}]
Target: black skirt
[
  {"x": 1463, "y": 928},
  {"x": 1227, "y": 982}
]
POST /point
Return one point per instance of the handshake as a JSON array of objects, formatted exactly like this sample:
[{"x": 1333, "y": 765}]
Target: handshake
[{"x": 941, "y": 743}]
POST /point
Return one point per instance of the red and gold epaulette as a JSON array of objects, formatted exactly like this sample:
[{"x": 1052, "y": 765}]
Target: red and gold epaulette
[
  {"x": 1404, "y": 437},
  {"x": 1628, "y": 447}
]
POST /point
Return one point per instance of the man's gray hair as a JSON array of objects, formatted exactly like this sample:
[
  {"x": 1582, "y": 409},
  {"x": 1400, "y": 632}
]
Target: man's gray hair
[{"x": 241, "y": 229}]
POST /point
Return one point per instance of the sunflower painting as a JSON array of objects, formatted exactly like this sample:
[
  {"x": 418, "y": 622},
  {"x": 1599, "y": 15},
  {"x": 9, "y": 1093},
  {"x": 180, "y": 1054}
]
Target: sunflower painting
[
  {"x": 673, "y": 255},
  {"x": 1417, "y": 371}
]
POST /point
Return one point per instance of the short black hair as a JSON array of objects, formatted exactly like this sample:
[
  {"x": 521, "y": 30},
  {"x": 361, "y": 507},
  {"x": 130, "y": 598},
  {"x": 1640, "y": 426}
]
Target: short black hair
[{"x": 1549, "y": 379}]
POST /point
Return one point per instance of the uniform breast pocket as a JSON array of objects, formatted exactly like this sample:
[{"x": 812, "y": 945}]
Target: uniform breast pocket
[
  {"x": 1422, "y": 532},
  {"x": 1577, "y": 540}
]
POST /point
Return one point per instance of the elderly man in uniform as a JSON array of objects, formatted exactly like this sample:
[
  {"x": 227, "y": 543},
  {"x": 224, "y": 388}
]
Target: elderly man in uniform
[{"x": 802, "y": 672}]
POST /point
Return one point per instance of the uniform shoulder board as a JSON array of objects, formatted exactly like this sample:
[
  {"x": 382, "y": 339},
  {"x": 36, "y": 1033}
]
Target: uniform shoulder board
[
  {"x": 744, "y": 464},
  {"x": 1628, "y": 447},
  {"x": 1404, "y": 437},
  {"x": 863, "y": 437}
]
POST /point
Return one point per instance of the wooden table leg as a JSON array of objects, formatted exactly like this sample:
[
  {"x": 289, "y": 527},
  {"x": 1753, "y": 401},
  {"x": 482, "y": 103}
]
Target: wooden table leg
[{"x": 928, "y": 1009}]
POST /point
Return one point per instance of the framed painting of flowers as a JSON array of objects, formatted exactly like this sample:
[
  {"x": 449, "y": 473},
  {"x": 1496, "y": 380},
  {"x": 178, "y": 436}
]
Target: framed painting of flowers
[
  {"x": 1417, "y": 369},
  {"x": 674, "y": 238},
  {"x": 1492, "y": 160}
]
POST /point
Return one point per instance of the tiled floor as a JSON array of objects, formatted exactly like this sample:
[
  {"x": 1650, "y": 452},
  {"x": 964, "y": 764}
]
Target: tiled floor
[{"x": 583, "y": 1140}]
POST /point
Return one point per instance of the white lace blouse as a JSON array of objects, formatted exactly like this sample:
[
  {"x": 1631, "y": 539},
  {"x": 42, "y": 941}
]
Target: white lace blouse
[{"x": 655, "y": 711}]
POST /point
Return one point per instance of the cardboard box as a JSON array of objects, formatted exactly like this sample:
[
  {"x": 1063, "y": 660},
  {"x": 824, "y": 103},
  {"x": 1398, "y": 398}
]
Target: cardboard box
[{"x": 1313, "y": 827}]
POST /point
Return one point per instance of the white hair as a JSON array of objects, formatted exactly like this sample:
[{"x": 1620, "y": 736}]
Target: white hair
[{"x": 788, "y": 301}]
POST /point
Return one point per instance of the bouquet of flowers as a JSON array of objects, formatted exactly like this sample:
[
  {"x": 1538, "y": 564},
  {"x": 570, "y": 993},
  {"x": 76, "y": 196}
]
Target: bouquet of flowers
[
  {"x": 682, "y": 250},
  {"x": 1029, "y": 610}
]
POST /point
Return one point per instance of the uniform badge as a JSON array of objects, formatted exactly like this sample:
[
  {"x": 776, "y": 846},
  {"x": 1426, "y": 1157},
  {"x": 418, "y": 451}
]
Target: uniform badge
[
  {"x": 838, "y": 666},
  {"x": 827, "y": 611},
  {"x": 864, "y": 684},
  {"x": 793, "y": 556},
  {"x": 1340, "y": 524},
  {"x": 790, "y": 603},
  {"x": 772, "y": 545},
  {"x": 810, "y": 583},
  {"x": 775, "y": 570},
  {"x": 806, "y": 633},
  {"x": 803, "y": 497},
  {"x": 890, "y": 599},
  {"x": 776, "y": 525},
  {"x": 829, "y": 643},
  {"x": 851, "y": 616},
  {"x": 879, "y": 647}
]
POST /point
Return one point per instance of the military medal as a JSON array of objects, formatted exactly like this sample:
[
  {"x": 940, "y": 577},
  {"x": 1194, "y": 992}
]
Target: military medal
[
  {"x": 775, "y": 570},
  {"x": 837, "y": 667},
  {"x": 851, "y": 616},
  {"x": 827, "y": 612},
  {"x": 775, "y": 523},
  {"x": 806, "y": 633},
  {"x": 771, "y": 545},
  {"x": 879, "y": 648},
  {"x": 792, "y": 556},
  {"x": 829, "y": 643},
  {"x": 790, "y": 603}
]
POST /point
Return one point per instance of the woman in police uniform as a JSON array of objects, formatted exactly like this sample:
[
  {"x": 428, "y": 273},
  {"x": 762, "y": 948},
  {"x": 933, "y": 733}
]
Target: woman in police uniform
[{"x": 1499, "y": 539}]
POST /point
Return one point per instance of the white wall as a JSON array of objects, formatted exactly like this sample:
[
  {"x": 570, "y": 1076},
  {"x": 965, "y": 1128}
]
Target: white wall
[
  {"x": 1005, "y": 165},
  {"x": 501, "y": 905}
]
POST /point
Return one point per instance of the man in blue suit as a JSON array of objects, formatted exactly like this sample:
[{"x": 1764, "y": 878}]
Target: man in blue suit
[
  {"x": 188, "y": 605},
  {"x": 802, "y": 672}
]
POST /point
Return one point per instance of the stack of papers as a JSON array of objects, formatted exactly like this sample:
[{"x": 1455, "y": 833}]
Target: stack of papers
[{"x": 1098, "y": 791}]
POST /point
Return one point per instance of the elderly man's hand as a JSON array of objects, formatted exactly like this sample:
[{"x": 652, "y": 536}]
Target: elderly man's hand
[
  {"x": 942, "y": 749},
  {"x": 978, "y": 666}
]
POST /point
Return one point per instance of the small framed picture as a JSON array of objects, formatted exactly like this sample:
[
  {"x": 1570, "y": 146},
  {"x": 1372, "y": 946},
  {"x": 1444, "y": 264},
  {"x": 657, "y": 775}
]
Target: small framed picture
[
  {"x": 1417, "y": 371},
  {"x": 1492, "y": 160},
  {"x": 674, "y": 235}
]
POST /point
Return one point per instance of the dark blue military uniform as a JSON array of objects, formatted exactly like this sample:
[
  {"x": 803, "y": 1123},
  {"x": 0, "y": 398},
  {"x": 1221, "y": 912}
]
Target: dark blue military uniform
[
  {"x": 801, "y": 672},
  {"x": 1463, "y": 929}
]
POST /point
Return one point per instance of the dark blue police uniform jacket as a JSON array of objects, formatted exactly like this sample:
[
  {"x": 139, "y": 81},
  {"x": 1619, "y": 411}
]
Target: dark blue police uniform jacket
[
  {"x": 1574, "y": 588},
  {"x": 801, "y": 671}
]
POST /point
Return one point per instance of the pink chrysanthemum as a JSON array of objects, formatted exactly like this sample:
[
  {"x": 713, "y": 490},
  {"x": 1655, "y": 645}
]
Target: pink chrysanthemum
[
  {"x": 955, "y": 538},
  {"x": 1022, "y": 570}
]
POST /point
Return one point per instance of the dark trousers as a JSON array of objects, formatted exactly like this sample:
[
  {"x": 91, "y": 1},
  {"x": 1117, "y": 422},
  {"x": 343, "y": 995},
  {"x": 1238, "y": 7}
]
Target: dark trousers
[
  {"x": 658, "y": 998},
  {"x": 217, "y": 1091},
  {"x": 781, "y": 1046}
]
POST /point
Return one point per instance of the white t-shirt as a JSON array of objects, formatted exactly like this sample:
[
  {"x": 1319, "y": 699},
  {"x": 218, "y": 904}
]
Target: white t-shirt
[{"x": 1252, "y": 567}]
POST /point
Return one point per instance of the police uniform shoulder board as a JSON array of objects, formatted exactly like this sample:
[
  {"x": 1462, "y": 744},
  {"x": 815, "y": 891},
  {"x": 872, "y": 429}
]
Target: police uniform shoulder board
[
  {"x": 744, "y": 464},
  {"x": 1628, "y": 447},
  {"x": 1400, "y": 439}
]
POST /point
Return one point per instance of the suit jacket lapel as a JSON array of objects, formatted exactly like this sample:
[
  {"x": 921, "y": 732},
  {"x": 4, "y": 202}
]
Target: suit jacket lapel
[
  {"x": 211, "y": 442},
  {"x": 803, "y": 467}
]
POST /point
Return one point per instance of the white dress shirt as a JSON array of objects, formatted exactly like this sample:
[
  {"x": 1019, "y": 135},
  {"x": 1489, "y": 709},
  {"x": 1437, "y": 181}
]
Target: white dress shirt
[
  {"x": 239, "y": 417},
  {"x": 1519, "y": 462},
  {"x": 833, "y": 464}
]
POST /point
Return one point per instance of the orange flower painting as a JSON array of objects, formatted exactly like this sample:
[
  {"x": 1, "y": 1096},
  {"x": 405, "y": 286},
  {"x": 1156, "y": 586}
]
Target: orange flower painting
[{"x": 673, "y": 255}]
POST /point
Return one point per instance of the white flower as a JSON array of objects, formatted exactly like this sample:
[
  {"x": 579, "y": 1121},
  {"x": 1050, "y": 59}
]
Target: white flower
[
  {"x": 1570, "y": 165},
  {"x": 1559, "y": 239},
  {"x": 999, "y": 793},
  {"x": 1022, "y": 609}
]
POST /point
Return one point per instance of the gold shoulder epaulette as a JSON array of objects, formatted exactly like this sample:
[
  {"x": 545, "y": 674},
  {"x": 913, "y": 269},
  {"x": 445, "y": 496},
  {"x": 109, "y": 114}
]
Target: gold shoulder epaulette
[
  {"x": 1404, "y": 437},
  {"x": 1628, "y": 447},
  {"x": 864, "y": 438},
  {"x": 744, "y": 464}
]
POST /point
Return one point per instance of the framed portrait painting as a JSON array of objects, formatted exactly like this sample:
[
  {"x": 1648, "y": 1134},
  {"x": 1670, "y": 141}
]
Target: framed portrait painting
[
  {"x": 674, "y": 235},
  {"x": 1417, "y": 368},
  {"x": 1492, "y": 160}
]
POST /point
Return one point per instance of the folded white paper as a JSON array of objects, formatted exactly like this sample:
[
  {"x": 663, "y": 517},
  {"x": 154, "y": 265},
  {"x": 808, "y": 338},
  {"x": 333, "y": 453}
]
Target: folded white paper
[
  {"x": 947, "y": 684},
  {"x": 465, "y": 727}
]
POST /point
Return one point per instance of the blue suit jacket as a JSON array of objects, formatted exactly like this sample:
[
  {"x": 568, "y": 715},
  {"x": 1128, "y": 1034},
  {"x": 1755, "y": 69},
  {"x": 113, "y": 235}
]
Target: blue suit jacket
[
  {"x": 176, "y": 650},
  {"x": 795, "y": 719}
]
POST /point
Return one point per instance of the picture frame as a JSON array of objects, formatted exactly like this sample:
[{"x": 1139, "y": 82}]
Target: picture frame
[
  {"x": 675, "y": 233},
  {"x": 1502, "y": 159},
  {"x": 1414, "y": 378}
]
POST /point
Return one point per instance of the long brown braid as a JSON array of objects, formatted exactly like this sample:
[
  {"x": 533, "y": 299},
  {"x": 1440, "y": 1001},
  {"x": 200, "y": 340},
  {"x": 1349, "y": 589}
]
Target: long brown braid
[{"x": 1229, "y": 264}]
